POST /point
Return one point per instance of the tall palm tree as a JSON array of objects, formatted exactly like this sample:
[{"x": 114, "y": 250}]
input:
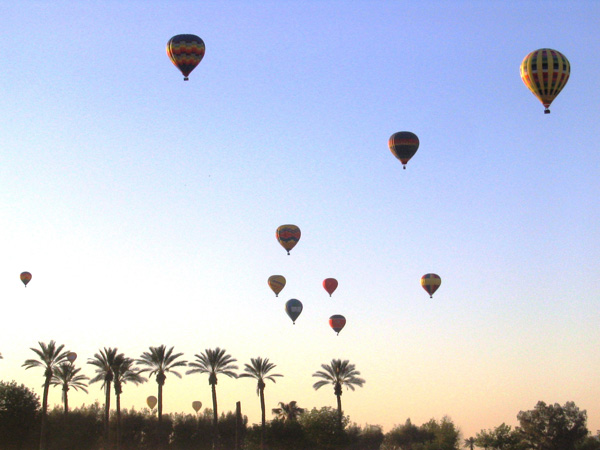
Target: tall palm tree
[
  {"x": 67, "y": 376},
  {"x": 339, "y": 373},
  {"x": 50, "y": 356},
  {"x": 288, "y": 412},
  {"x": 470, "y": 442},
  {"x": 214, "y": 362},
  {"x": 124, "y": 372},
  {"x": 259, "y": 370},
  {"x": 159, "y": 361},
  {"x": 104, "y": 362}
]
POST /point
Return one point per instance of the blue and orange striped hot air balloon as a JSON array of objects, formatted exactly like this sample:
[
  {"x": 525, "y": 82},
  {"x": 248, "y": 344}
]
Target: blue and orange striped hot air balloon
[
  {"x": 288, "y": 236},
  {"x": 545, "y": 72},
  {"x": 186, "y": 51},
  {"x": 403, "y": 146},
  {"x": 337, "y": 322},
  {"x": 431, "y": 282}
]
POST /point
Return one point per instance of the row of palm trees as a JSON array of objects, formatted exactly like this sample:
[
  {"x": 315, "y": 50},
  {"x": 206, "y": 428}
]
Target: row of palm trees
[{"x": 114, "y": 369}]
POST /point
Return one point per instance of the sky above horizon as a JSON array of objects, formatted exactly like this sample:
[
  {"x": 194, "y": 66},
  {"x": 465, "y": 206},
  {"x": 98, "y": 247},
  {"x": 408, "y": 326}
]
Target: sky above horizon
[{"x": 145, "y": 207}]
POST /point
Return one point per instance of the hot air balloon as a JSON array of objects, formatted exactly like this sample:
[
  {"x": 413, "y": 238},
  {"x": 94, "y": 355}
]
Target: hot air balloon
[
  {"x": 330, "y": 285},
  {"x": 293, "y": 308},
  {"x": 288, "y": 236},
  {"x": 431, "y": 282},
  {"x": 25, "y": 278},
  {"x": 276, "y": 283},
  {"x": 403, "y": 145},
  {"x": 337, "y": 322},
  {"x": 186, "y": 51},
  {"x": 151, "y": 401},
  {"x": 71, "y": 357},
  {"x": 545, "y": 72},
  {"x": 197, "y": 405}
]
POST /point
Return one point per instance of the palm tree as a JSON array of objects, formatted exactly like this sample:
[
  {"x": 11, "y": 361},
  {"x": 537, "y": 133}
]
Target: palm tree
[
  {"x": 124, "y": 372},
  {"x": 104, "y": 362},
  {"x": 339, "y": 373},
  {"x": 159, "y": 362},
  {"x": 288, "y": 412},
  {"x": 50, "y": 356},
  {"x": 214, "y": 362},
  {"x": 470, "y": 442},
  {"x": 67, "y": 376},
  {"x": 259, "y": 370}
]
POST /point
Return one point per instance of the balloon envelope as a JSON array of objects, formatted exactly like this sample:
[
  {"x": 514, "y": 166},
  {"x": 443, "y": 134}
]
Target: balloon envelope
[
  {"x": 151, "y": 401},
  {"x": 293, "y": 308},
  {"x": 71, "y": 356},
  {"x": 25, "y": 278},
  {"x": 330, "y": 285},
  {"x": 288, "y": 236},
  {"x": 337, "y": 322},
  {"x": 197, "y": 405},
  {"x": 431, "y": 282},
  {"x": 186, "y": 51},
  {"x": 276, "y": 283},
  {"x": 545, "y": 72},
  {"x": 403, "y": 145}
]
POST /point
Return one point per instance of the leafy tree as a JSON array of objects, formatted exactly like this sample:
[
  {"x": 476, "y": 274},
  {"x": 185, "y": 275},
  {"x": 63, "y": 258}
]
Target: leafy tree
[
  {"x": 590, "y": 443},
  {"x": 50, "y": 356},
  {"x": 445, "y": 434},
  {"x": 19, "y": 409},
  {"x": 407, "y": 437},
  {"x": 553, "y": 427},
  {"x": 259, "y": 370},
  {"x": 484, "y": 439},
  {"x": 339, "y": 373},
  {"x": 104, "y": 362},
  {"x": 322, "y": 428},
  {"x": 288, "y": 412},
  {"x": 67, "y": 376},
  {"x": 214, "y": 362},
  {"x": 368, "y": 438},
  {"x": 279, "y": 435},
  {"x": 123, "y": 372},
  {"x": 82, "y": 430},
  {"x": 159, "y": 361}
]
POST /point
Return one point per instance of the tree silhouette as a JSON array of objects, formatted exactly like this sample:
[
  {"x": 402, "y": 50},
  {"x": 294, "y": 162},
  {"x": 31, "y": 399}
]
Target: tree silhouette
[
  {"x": 288, "y": 412},
  {"x": 50, "y": 356},
  {"x": 124, "y": 372},
  {"x": 67, "y": 376},
  {"x": 339, "y": 373},
  {"x": 104, "y": 362}
]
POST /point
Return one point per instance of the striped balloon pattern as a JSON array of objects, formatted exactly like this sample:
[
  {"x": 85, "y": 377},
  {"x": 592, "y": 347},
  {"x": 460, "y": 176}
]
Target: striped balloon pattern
[
  {"x": 431, "y": 282},
  {"x": 403, "y": 146},
  {"x": 288, "y": 236},
  {"x": 276, "y": 283},
  {"x": 186, "y": 51},
  {"x": 25, "y": 278},
  {"x": 337, "y": 322},
  {"x": 545, "y": 72}
]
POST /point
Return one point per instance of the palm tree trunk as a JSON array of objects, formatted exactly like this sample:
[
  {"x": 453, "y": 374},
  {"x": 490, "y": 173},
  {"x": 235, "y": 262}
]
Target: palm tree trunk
[
  {"x": 107, "y": 416},
  {"x": 160, "y": 404},
  {"x": 43, "y": 432},
  {"x": 263, "y": 421},
  {"x": 66, "y": 400},
  {"x": 118, "y": 421},
  {"x": 339, "y": 407},
  {"x": 215, "y": 415}
]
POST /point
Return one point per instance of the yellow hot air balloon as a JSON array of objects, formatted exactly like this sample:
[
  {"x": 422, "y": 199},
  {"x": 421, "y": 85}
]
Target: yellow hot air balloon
[
  {"x": 288, "y": 236},
  {"x": 151, "y": 401},
  {"x": 196, "y": 405},
  {"x": 545, "y": 72},
  {"x": 431, "y": 282},
  {"x": 276, "y": 283}
]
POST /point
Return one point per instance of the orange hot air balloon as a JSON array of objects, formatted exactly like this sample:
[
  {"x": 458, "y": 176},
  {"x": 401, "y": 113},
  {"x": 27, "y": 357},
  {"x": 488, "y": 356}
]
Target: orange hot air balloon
[
  {"x": 25, "y": 278},
  {"x": 151, "y": 401},
  {"x": 276, "y": 283},
  {"x": 186, "y": 51},
  {"x": 197, "y": 405},
  {"x": 403, "y": 145},
  {"x": 330, "y": 285},
  {"x": 71, "y": 357},
  {"x": 288, "y": 236},
  {"x": 545, "y": 72},
  {"x": 431, "y": 282},
  {"x": 337, "y": 322}
]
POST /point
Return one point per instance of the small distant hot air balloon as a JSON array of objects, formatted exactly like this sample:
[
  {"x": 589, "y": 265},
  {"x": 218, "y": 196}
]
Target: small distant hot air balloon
[
  {"x": 431, "y": 282},
  {"x": 186, "y": 51},
  {"x": 71, "y": 357},
  {"x": 337, "y": 322},
  {"x": 330, "y": 285},
  {"x": 403, "y": 145},
  {"x": 545, "y": 72},
  {"x": 276, "y": 283},
  {"x": 25, "y": 278},
  {"x": 151, "y": 401},
  {"x": 293, "y": 308},
  {"x": 197, "y": 405},
  {"x": 288, "y": 236}
]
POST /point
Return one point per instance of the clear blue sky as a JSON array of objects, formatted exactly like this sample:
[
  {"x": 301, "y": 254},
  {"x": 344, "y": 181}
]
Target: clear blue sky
[{"x": 145, "y": 207}]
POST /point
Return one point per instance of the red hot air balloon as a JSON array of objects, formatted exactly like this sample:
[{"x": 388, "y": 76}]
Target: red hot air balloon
[
  {"x": 186, "y": 51},
  {"x": 337, "y": 322},
  {"x": 431, "y": 282},
  {"x": 25, "y": 278},
  {"x": 330, "y": 285},
  {"x": 403, "y": 145}
]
